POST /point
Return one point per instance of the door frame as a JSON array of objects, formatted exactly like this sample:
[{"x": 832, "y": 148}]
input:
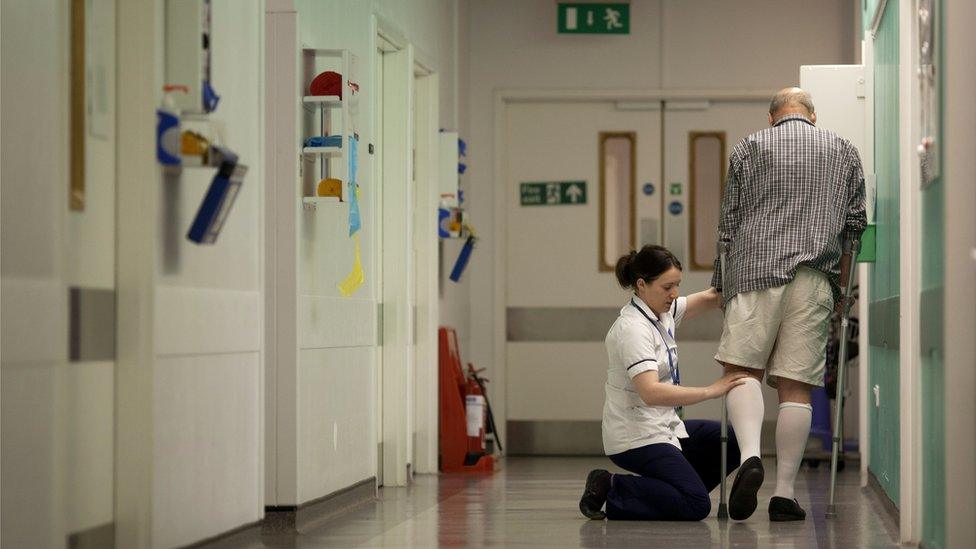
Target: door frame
[
  {"x": 426, "y": 315},
  {"x": 395, "y": 419},
  {"x": 494, "y": 300},
  {"x": 910, "y": 199}
]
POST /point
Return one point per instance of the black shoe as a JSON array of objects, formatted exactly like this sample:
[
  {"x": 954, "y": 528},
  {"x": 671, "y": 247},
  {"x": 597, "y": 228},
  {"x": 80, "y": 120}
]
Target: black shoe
[
  {"x": 742, "y": 497},
  {"x": 784, "y": 510},
  {"x": 595, "y": 494}
]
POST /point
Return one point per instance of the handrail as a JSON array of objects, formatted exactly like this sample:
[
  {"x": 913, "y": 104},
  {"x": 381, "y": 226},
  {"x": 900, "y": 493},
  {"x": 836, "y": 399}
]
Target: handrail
[{"x": 878, "y": 16}]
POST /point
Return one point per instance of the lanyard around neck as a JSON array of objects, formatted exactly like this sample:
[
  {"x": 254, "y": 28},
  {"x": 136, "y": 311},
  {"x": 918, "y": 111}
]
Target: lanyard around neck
[{"x": 675, "y": 375}]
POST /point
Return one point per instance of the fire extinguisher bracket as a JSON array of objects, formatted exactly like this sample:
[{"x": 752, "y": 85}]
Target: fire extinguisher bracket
[{"x": 463, "y": 412}]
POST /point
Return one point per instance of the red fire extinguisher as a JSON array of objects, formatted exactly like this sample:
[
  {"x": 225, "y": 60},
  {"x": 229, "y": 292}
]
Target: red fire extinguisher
[{"x": 475, "y": 413}]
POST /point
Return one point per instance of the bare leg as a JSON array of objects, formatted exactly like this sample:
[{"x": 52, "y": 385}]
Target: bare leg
[{"x": 793, "y": 391}]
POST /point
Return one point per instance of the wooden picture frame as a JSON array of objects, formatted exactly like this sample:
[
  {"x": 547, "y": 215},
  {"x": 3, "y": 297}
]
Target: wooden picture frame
[
  {"x": 78, "y": 106},
  {"x": 602, "y": 263},
  {"x": 701, "y": 264}
]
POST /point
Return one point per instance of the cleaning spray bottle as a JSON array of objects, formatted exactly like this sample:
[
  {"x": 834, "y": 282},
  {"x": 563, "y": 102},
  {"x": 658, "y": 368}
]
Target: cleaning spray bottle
[{"x": 168, "y": 127}]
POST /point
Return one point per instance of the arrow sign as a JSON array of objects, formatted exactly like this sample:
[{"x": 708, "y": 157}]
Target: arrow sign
[{"x": 574, "y": 193}]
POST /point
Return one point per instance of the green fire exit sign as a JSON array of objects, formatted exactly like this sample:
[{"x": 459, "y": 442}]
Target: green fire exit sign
[
  {"x": 553, "y": 193},
  {"x": 602, "y": 18}
]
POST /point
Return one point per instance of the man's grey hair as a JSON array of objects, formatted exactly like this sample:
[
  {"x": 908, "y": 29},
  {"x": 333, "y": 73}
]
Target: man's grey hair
[{"x": 790, "y": 97}]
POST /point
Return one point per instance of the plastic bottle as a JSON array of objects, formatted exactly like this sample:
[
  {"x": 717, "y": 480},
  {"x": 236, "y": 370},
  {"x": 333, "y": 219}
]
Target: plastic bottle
[{"x": 168, "y": 128}]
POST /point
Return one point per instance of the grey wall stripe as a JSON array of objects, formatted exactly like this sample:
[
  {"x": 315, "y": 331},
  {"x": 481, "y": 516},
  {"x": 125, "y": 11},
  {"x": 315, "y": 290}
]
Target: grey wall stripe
[
  {"x": 582, "y": 438},
  {"x": 98, "y": 537},
  {"x": 525, "y": 324},
  {"x": 554, "y": 438},
  {"x": 91, "y": 326},
  {"x": 649, "y": 229},
  {"x": 885, "y": 323}
]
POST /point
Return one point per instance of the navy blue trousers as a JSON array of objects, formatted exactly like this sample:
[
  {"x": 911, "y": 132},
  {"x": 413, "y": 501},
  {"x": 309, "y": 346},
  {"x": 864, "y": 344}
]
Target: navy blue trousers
[{"x": 671, "y": 484}]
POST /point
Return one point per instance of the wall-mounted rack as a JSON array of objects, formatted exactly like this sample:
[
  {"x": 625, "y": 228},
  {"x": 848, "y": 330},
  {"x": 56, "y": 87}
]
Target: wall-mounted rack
[{"x": 326, "y": 116}]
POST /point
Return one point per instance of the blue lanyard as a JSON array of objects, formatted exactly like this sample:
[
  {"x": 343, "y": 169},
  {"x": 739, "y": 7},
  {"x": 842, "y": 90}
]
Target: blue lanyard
[{"x": 675, "y": 374}]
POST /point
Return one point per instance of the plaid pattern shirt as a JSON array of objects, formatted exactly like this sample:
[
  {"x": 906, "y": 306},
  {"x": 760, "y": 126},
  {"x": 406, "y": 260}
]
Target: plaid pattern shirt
[{"x": 794, "y": 194}]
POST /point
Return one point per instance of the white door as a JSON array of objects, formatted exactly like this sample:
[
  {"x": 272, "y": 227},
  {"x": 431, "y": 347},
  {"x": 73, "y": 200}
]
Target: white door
[
  {"x": 378, "y": 244},
  {"x": 425, "y": 451},
  {"x": 559, "y": 303},
  {"x": 698, "y": 138}
]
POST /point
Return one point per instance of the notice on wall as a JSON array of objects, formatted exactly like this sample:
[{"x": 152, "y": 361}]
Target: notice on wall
[
  {"x": 356, "y": 276},
  {"x": 553, "y": 193}
]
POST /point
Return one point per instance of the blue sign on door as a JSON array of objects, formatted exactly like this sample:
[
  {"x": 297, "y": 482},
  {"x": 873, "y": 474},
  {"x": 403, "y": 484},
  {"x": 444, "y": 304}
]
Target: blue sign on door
[
  {"x": 648, "y": 189},
  {"x": 675, "y": 208}
]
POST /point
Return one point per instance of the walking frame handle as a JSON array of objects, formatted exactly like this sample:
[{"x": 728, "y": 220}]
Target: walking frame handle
[{"x": 722, "y": 249}]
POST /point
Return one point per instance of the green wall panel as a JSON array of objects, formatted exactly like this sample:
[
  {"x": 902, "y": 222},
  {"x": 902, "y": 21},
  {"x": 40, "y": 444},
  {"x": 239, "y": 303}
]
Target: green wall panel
[
  {"x": 933, "y": 451},
  {"x": 885, "y": 459},
  {"x": 932, "y": 310},
  {"x": 932, "y": 337},
  {"x": 885, "y": 434}
]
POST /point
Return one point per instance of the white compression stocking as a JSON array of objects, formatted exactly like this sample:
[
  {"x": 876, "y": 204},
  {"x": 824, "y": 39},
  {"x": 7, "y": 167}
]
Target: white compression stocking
[
  {"x": 792, "y": 429},
  {"x": 745, "y": 404}
]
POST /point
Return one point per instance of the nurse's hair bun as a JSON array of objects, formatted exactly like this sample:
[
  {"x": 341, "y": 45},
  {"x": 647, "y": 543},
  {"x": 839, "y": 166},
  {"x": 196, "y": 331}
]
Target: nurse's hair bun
[
  {"x": 649, "y": 263},
  {"x": 624, "y": 270}
]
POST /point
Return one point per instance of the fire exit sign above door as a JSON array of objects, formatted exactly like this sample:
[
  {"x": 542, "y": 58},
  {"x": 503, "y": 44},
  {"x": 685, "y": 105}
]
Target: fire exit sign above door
[{"x": 594, "y": 18}]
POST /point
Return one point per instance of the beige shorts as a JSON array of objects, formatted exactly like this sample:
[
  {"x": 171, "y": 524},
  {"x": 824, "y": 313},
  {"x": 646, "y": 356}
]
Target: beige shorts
[{"x": 782, "y": 330}]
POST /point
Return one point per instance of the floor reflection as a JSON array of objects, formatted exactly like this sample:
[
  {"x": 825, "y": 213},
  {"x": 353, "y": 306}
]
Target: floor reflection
[{"x": 533, "y": 502}]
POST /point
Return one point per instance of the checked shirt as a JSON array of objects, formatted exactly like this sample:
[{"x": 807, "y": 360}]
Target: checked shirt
[{"x": 794, "y": 193}]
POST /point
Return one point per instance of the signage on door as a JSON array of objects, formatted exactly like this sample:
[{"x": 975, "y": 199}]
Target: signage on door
[
  {"x": 553, "y": 193},
  {"x": 589, "y": 18}
]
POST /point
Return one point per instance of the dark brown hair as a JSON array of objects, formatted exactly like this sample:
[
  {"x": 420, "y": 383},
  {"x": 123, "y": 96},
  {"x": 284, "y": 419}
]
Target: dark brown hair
[{"x": 649, "y": 263}]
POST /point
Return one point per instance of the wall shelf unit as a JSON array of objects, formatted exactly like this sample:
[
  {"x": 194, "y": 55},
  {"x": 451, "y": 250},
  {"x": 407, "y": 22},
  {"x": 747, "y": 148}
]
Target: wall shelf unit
[
  {"x": 324, "y": 100},
  {"x": 326, "y": 116},
  {"x": 323, "y": 151},
  {"x": 314, "y": 203}
]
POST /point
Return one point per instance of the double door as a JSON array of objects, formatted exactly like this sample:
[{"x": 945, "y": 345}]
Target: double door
[{"x": 585, "y": 182}]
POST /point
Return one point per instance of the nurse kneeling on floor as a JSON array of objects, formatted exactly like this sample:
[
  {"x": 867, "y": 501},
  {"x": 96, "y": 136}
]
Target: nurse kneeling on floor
[{"x": 676, "y": 463}]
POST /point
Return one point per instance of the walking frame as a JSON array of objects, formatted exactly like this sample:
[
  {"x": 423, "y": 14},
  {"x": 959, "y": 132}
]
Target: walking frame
[
  {"x": 850, "y": 247},
  {"x": 723, "y": 506}
]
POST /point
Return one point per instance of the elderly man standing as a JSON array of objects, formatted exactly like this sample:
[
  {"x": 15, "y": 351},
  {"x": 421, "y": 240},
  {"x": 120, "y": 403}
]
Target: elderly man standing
[{"x": 794, "y": 196}]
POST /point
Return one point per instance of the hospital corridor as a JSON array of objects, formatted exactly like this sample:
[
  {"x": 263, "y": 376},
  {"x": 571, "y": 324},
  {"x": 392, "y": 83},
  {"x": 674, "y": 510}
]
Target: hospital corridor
[{"x": 487, "y": 273}]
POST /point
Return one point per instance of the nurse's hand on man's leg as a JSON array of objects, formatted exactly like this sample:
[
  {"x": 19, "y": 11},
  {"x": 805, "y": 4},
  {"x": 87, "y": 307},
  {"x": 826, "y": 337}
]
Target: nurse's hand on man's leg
[{"x": 726, "y": 383}]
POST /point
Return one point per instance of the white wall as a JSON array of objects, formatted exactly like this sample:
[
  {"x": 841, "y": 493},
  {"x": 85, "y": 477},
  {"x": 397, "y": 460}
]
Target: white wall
[
  {"x": 199, "y": 405},
  {"x": 960, "y": 137},
  {"x": 57, "y": 431},
  {"x": 455, "y": 297},
  {"x": 208, "y": 315},
  {"x": 190, "y": 348},
  {"x": 750, "y": 44},
  {"x": 338, "y": 352}
]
